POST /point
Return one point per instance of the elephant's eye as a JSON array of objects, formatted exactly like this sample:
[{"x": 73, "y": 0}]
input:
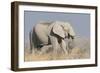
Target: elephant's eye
[
  {"x": 62, "y": 26},
  {"x": 65, "y": 29}
]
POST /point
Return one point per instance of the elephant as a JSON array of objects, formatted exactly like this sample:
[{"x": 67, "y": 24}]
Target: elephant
[{"x": 51, "y": 33}]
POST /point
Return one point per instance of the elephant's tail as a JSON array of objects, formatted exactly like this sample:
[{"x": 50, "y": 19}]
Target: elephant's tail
[{"x": 30, "y": 39}]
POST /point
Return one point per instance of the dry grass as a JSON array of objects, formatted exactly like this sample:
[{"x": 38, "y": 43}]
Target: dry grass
[
  {"x": 76, "y": 53},
  {"x": 80, "y": 51}
]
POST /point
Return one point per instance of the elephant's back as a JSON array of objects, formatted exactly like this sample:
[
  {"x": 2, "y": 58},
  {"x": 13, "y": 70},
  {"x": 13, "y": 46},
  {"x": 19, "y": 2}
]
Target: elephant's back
[{"x": 41, "y": 32}]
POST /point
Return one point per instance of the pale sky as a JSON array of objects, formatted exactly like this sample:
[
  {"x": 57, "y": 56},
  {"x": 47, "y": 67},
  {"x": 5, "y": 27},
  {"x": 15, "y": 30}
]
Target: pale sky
[{"x": 79, "y": 21}]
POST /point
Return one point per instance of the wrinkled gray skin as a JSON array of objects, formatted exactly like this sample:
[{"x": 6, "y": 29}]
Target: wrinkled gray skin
[{"x": 58, "y": 35}]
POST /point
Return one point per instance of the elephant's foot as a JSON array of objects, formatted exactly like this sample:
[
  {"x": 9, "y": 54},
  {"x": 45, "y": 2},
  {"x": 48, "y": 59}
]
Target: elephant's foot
[
  {"x": 31, "y": 51},
  {"x": 69, "y": 51},
  {"x": 66, "y": 53}
]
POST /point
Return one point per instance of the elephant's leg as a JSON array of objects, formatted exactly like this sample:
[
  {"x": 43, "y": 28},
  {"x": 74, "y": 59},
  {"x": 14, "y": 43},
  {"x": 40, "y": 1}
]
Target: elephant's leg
[
  {"x": 46, "y": 49},
  {"x": 55, "y": 44},
  {"x": 63, "y": 46}
]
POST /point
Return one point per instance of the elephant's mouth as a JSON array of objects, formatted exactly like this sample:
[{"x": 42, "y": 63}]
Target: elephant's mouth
[{"x": 69, "y": 36}]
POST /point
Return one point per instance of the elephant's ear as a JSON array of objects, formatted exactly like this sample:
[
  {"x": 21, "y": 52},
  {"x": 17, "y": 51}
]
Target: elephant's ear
[{"x": 58, "y": 30}]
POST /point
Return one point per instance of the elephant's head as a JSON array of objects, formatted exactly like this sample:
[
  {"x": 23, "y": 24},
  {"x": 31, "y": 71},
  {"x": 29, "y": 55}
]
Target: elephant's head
[{"x": 63, "y": 29}]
